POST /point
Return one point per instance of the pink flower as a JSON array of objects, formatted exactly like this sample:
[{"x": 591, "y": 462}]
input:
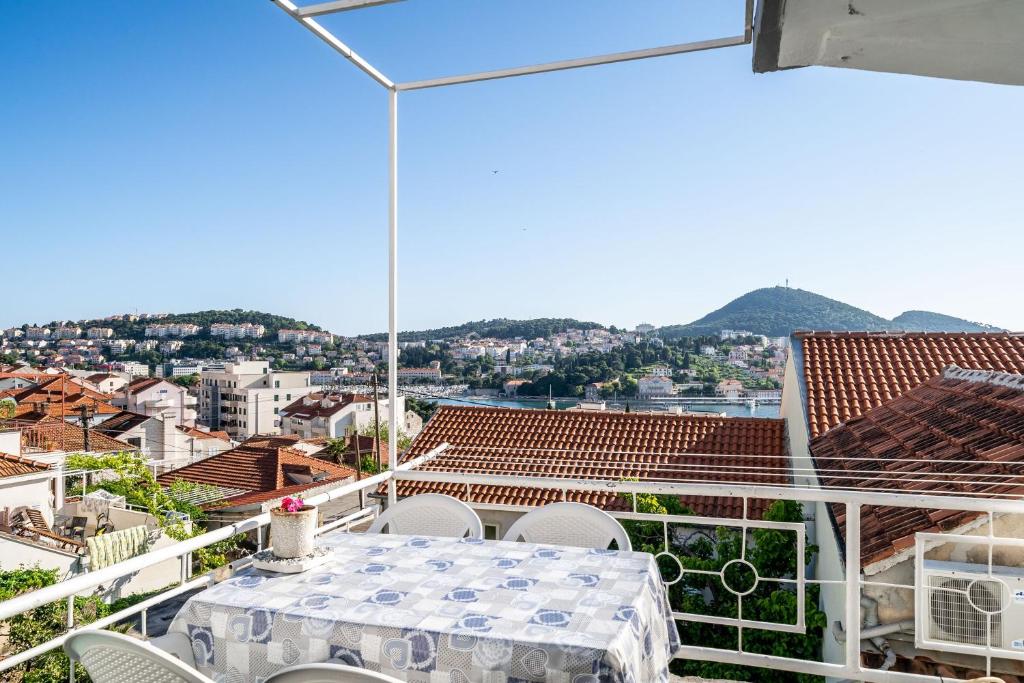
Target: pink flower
[{"x": 289, "y": 504}]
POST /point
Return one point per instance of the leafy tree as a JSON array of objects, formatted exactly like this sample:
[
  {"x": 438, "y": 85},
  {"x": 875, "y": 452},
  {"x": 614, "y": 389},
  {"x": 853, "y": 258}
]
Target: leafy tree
[
  {"x": 186, "y": 380},
  {"x": 8, "y": 407},
  {"x": 44, "y": 623},
  {"x": 424, "y": 408},
  {"x": 404, "y": 440}
]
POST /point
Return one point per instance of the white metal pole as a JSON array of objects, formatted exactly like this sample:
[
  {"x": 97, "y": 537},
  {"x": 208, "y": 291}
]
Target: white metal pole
[
  {"x": 392, "y": 287},
  {"x": 852, "y": 658}
]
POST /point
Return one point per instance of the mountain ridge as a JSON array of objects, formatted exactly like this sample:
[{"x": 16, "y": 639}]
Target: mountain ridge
[{"x": 779, "y": 311}]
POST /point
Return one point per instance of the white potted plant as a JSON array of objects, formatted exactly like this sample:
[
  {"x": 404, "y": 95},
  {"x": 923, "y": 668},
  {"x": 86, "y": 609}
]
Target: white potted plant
[{"x": 292, "y": 528}]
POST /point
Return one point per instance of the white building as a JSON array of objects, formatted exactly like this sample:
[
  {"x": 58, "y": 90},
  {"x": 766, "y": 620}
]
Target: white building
[
  {"x": 730, "y": 388},
  {"x": 332, "y": 415},
  {"x": 163, "y": 440},
  {"x": 37, "y": 333},
  {"x": 66, "y": 332},
  {"x": 170, "y": 346},
  {"x": 120, "y": 346},
  {"x": 183, "y": 369},
  {"x": 420, "y": 373},
  {"x": 131, "y": 367},
  {"x": 242, "y": 331},
  {"x": 99, "y": 333},
  {"x": 645, "y": 328},
  {"x": 654, "y": 387},
  {"x": 106, "y": 382},
  {"x": 303, "y": 336},
  {"x": 157, "y": 397},
  {"x": 328, "y": 376},
  {"x": 246, "y": 398},
  {"x": 661, "y": 371},
  {"x": 172, "y": 330}
]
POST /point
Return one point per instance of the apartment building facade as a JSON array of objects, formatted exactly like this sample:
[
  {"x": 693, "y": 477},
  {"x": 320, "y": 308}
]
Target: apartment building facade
[
  {"x": 245, "y": 399},
  {"x": 157, "y": 397}
]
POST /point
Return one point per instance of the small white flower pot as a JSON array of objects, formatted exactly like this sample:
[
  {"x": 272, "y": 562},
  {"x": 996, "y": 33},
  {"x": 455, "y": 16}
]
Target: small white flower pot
[{"x": 292, "y": 533}]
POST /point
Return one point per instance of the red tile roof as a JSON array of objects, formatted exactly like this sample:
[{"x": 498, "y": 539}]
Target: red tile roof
[
  {"x": 14, "y": 466},
  {"x": 142, "y": 383},
  {"x": 44, "y": 432},
  {"x": 959, "y": 433},
  {"x": 262, "y": 471},
  {"x": 600, "y": 445},
  {"x": 59, "y": 393},
  {"x": 312, "y": 405},
  {"x": 848, "y": 373}
]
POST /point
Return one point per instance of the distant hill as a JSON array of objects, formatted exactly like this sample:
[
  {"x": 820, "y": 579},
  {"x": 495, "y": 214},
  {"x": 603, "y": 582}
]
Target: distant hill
[
  {"x": 926, "y": 321},
  {"x": 778, "y": 311},
  {"x": 499, "y": 328}
]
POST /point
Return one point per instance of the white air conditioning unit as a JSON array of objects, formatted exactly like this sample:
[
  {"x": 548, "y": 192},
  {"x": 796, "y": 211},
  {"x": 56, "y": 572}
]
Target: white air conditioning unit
[{"x": 962, "y": 607}]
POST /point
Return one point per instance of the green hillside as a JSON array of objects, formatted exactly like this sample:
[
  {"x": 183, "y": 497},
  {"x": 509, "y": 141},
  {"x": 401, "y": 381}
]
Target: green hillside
[
  {"x": 927, "y": 321},
  {"x": 499, "y": 328},
  {"x": 777, "y": 311}
]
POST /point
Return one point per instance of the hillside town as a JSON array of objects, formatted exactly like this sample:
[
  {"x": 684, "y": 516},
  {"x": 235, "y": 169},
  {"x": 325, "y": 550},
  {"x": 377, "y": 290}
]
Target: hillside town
[{"x": 734, "y": 365}]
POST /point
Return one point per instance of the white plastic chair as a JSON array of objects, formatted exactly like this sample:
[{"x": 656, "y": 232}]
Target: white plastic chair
[
  {"x": 572, "y": 524},
  {"x": 328, "y": 672},
  {"x": 117, "y": 658},
  {"x": 429, "y": 514}
]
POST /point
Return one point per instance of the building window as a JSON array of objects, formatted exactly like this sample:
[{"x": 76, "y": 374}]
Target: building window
[
  {"x": 492, "y": 532},
  {"x": 276, "y": 398},
  {"x": 277, "y": 384},
  {"x": 277, "y": 411}
]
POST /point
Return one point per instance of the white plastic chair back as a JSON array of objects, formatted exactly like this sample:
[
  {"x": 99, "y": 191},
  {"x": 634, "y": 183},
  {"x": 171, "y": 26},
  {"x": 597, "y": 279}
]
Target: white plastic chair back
[
  {"x": 328, "y": 673},
  {"x": 572, "y": 524},
  {"x": 429, "y": 514},
  {"x": 116, "y": 658}
]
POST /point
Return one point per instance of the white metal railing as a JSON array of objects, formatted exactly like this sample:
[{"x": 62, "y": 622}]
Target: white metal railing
[
  {"x": 851, "y": 582},
  {"x": 181, "y": 551}
]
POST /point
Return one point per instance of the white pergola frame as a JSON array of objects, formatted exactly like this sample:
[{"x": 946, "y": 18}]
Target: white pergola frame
[{"x": 306, "y": 16}]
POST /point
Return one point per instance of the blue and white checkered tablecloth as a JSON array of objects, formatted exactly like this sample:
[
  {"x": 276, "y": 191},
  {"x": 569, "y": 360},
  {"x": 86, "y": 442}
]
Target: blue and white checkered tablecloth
[{"x": 429, "y": 610}]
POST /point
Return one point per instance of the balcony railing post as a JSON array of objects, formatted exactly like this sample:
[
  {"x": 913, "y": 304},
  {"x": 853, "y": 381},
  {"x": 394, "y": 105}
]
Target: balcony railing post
[
  {"x": 853, "y": 586},
  {"x": 71, "y": 624}
]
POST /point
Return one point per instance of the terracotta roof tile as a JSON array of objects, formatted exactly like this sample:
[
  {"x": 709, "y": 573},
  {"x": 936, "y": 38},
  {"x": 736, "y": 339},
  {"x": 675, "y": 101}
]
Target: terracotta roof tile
[
  {"x": 45, "y": 432},
  {"x": 13, "y": 466},
  {"x": 848, "y": 373},
  {"x": 142, "y": 383},
  {"x": 959, "y": 433},
  {"x": 122, "y": 422},
  {"x": 264, "y": 472},
  {"x": 313, "y": 405},
  {"x": 616, "y": 446}
]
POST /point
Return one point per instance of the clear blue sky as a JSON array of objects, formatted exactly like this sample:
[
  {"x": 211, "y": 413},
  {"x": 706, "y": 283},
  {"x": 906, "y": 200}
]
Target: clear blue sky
[{"x": 187, "y": 155}]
